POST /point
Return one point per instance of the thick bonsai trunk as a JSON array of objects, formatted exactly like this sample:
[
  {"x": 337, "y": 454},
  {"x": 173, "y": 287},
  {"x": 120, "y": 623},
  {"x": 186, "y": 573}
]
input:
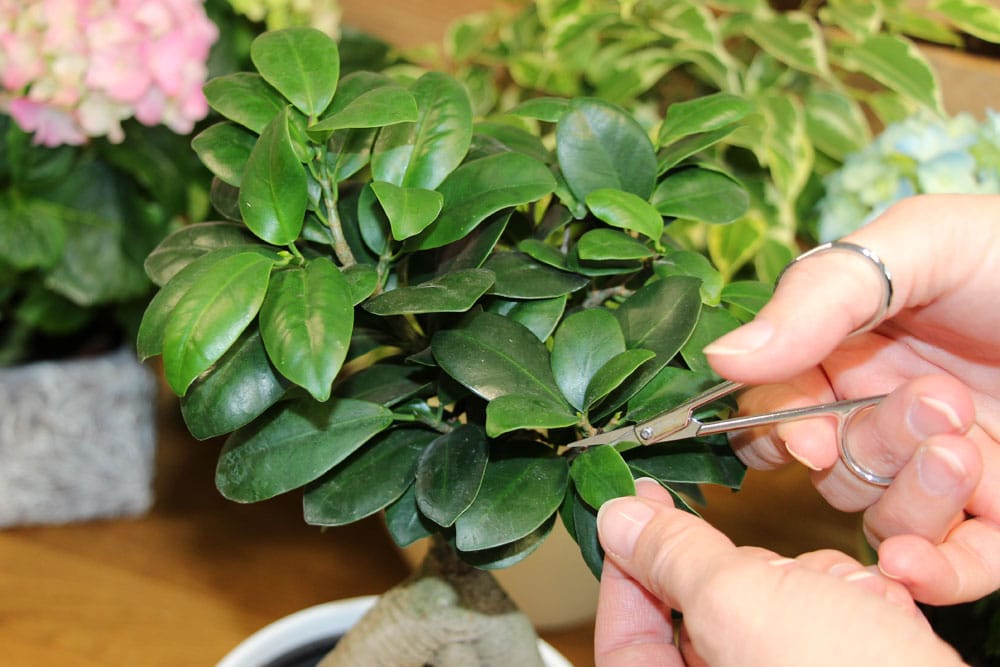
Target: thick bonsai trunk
[{"x": 448, "y": 615}]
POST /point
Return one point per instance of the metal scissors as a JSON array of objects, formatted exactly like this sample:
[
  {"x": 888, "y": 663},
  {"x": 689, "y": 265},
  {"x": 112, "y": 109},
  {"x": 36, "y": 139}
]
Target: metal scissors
[{"x": 681, "y": 423}]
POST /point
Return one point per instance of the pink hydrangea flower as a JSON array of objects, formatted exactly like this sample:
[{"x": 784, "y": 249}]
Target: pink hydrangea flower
[{"x": 73, "y": 69}]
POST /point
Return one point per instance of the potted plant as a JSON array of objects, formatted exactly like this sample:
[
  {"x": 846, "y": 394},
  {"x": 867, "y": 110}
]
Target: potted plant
[
  {"x": 406, "y": 309},
  {"x": 94, "y": 172}
]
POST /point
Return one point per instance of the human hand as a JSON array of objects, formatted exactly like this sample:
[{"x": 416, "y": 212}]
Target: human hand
[
  {"x": 937, "y": 527},
  {"x": 742, "y": 606}
]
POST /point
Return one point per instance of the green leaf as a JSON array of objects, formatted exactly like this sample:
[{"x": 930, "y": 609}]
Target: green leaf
[
  {"x": 897, "y": 64},
  {"x": 273, "y": 191},
  {"x": 543, "y": 252},
  {"x": 547, "y": 109},
  {"x": 599, "y": 145},
  {"x": 610, "y": 245},
  {"x": 422, "y": 154},
  {"x": 379, "y": 107},
  {"x": 772, "y": 257},
  {"x": 793, "y": 38},
  {"x": 701, "y": 194},
  {"x": 410, "y": 210},
  {"x": 362, "y": 280},
  {"x": 747, "y": 296},
  {"x": 626, "y": 211},
  {"x": 482, "y": 187},
  {"x": 303, "y": 64},
  {"x": 690, "y": 263},
  {"x": 671, "y": 387},
  {"x": 688, "y": 462},
  {"x": 612, "y": 374},
  {"x": 520, "y": 277},
  {"x": 494, "y": 356},
  {"x": 785, "y": 148},
  {"x": 451, "y": 293},
  {"x": 836, "y": 123},
  {"x": 31, "y": 234},
  {"x": 683, "y": 148},
  {"x": 385, "y": 384},
  {"x": 306, "y": 322},
  {"x": 709, "y": 113},
  {"x": 246, "y": 98},
  {"x": 732, "y": 246},
  {"x": 584, "y": 531},
  {"x": 540, "y": 316},
  {"x": 511, "y": 553},
  {"x": 450, "y": 472},
  {"x": 404, "y": 521},
  {"x": 713, "y": 324},
  {"x": 293, "y": 445},
  {"x": 211, "y": 315},
  {"x": 511, "y": 412},
  {"x": 188, "y": 243},
  {"x": 583, "y": 343},
  {"x": 519, "y": 493},
  {"x": 368, "y": 480},
  {"x": 241, "y": 386},
  {"x": 600, "y": 474},
  {"x": 977, "y": 18},
  {"x": 225, "y": 149}
]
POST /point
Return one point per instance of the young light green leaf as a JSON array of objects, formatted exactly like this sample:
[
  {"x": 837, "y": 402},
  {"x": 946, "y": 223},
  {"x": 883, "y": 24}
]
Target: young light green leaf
[
  {"x": 245, "y": 98},
  {"x": 410, "y": 210},
  {"x": 785, "y": 148},
  {"x": 225, "y": 149},
  {"x": 600, "y": 474},
  {"x": 709, "y": 113},
  {"x": 701, "y": 194},
  {"x": 294, "y": 444},
  {"x": 450, "y": 472},
  {"x": 974, "y": 17},
  {"x": 794, "y": 38},
  {"x": 274, "y": 188},
  {"x": 520, "y": 277},
  {"x": 303, "y": 64},
  {"x": 367, "y": 481},
  {"x": 836, "y": 123},
  {"x": 610, "y": 244},
  {"x": 306, "y": 322},
  {"x": 731, "y": 246},
  {"x": 451, "y": 293},
  {"x": 626, "y": 211},
  {"x": 211, "y": 315},
  {"x": 190, "y": 242},
  {"x": 512, "y": 412},
  {"x": 897, "y": 64},
  {"x": 583, "y": 343}
]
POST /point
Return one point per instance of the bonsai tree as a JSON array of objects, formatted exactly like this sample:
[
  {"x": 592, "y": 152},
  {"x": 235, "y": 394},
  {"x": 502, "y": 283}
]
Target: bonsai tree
[{"x": 409, "y": 309}]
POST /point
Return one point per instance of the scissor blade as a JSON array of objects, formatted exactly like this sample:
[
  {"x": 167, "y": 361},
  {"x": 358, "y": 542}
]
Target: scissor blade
[{"x": 624, "y": 434}]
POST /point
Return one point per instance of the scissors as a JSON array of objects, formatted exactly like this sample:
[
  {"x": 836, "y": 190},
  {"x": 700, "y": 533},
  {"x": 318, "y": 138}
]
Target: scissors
[{"x": 681, "y": 423}]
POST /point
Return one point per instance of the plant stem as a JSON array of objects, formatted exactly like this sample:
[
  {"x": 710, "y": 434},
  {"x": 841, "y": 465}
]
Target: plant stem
[{"x": 329, "y": 187}]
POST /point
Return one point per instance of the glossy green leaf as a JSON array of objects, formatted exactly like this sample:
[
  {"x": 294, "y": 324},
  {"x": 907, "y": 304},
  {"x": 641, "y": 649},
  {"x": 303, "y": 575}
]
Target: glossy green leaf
[
  {"x": 661, "y": 315},
  {"x": 362, "y": 280},
  {"x": 543, "y": 252},
  {"x": 583, "y": 343},
  {"x": 211, "y": 315},
  {"x": 511, "y": 412},
  {"x": 700, "y": 115},
  {"x": 713, "y": 324},
  {"x": 610, "y": 244},
  {"x": 245, "y": 98},
  {"x": 612, "y": 374},
  {"x": 225, "y": 149},
  {"x": 474, "y": 249},
  {"x": 306, "y": 322},
  {"x": 452, "y": 293},
  {"x": 836, "y": 123},
  {"x": 188, "y": 243},
  {"x": 548, "y": 109},
  {"x": 540, "y": 316},
  {"x": 695, "y": 264},
  {"x": 379, "y": 107},
  {"x": 701, "y": 194},
  {"x": 450, "y": 472},
  {"x": 746, "y": 297},
  {"x": 585, "y": 533},
  {"x": 511, "y": 553},
  {"x": 794, "y": 38},
  {"x": 422, "y": 154},
  {"x": 384, "y": 383},
  {"x": 273, "y": 192},
  {"x": 293, "y": 445},
  {"x": 519, "y": 493},
  {"x": 897, "y": 64},
  {"x": 482, "y": 187},
  {"x": 626, "y": 211},
  {"x": 303, "y": 64},
  {"x": 600, "y": 474},
  {"x": 599, "y": 145},
  {"x": 241, "y": 386},
  {"x": 688, "y": 462},
  {"x": 671, "y": 387},
  {"x": 520, "y": 277},
  {"x": 494, "y": 356},
  {"x": 404, "y": 521},
  {"x": 409, "y": 210},
  {"x": 515, "y": 138},
  {"x": 678, "y": 151},
  {"x": 368, "y": 480}
]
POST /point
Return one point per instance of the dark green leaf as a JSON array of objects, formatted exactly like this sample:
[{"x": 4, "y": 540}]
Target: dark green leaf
[
  {"x": 385, "y": 105},
  {"x": 688, "y": 462},
  {"x": 713, "y": 323},
  {"x": 661, "y": 315},
  {"x": 368, "y": 480},
  {"x": 612, "y": 374},
  {"x": 701, "y": 194},
  {"x": 672, "y": 155},
  {"x": 708, "y": 113},
  {"x": 543, "y": 252},
  {"x": 32, "y": 234},
  {"x": 409, "y": 210},
  {"x": 610, "y": 244},
  {"x": 518, "y": 494},
  {"x": 452, "y": 293},
  {"x": 475, "y": 248},
  {"x": 600, "y": 474},
  {"x": 747, "y": 296},
  {"x": 191, "y": 242},
  {"x": 303, "y": 64},
  {"x": 225, "y": 149},
  {"x": 306, "y": 322},
  {"x": 671, "y": 387},
  {"x": 690, "y": 263},
  {"x": 540, "y": 316},
  {"x": 385, "y": 384},
  {"x": 511, "y": 553},
  {"x": 626, "y": 211},
  {"x": 246, "y": 98},
  {"x": 293, "y": 445},
  {"x": 210, "y": 316},
  {"x": 512, "y": 412},
  {"x": 520, "y": 277},
  {"x": 404, "y": 521},
  {"x": 273, "y": 192},
  {"x": 450, "y": 472},
  {"x": 585, "y": 533},
  {"x": 583, "y": 343},
  {"x": 362, "y": 280}
]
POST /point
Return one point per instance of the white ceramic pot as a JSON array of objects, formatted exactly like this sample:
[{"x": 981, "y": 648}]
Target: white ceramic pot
[{"x": 308, "y": 634}]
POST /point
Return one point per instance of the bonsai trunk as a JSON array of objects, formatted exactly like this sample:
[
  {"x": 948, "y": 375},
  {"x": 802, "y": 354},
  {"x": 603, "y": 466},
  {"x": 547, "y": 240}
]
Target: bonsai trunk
[{"x": 449, "y": 614}]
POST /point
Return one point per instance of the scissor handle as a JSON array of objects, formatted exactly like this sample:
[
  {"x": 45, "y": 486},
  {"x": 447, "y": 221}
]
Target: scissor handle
[{"x": 843, "y": 410}]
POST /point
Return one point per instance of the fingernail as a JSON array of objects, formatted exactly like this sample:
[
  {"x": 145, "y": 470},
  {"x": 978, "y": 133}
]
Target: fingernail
[
  {"x": 748, "y": 338},
  {"x": 782, "y": 562},
  {"x": 860, "y": 575},
  {"x": 619, "y": 523},
  {"x": 939, "y": 470},
  {"x": 801, "y": 459},
  {"x": 929, "y": 416},
  {"x": 889, "y": 575}
]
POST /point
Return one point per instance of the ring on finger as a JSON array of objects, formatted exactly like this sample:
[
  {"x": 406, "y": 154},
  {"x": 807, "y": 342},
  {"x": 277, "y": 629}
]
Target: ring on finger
[{"x": 851, "y": 463}]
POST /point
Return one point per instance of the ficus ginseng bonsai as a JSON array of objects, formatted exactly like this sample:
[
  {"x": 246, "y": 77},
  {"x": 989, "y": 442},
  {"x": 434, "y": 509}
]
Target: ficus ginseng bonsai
[{"x": 411, "y": 310}]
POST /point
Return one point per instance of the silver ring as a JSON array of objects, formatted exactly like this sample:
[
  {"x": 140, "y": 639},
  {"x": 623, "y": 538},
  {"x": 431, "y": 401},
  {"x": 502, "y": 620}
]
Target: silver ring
[
  {"x": 874, "y": 261},
  {"x": 850, "y": 462}
]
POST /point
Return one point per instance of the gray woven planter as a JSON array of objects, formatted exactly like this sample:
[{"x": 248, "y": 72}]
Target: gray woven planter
[{"x": 77, "y": 439}]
